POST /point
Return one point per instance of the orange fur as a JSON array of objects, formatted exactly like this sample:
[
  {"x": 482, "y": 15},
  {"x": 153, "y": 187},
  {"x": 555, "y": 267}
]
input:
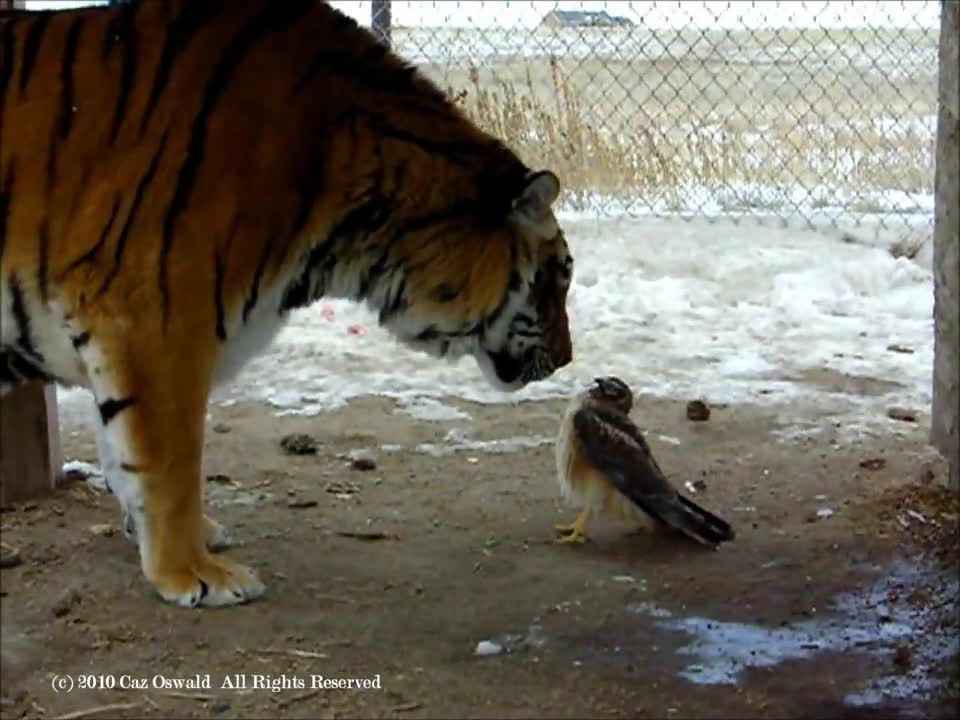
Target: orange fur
[{"x": 176, "y": 175}]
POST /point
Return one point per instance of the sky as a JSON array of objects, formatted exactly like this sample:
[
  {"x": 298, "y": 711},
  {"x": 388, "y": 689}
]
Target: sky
[{"x": 653, "y": 13}]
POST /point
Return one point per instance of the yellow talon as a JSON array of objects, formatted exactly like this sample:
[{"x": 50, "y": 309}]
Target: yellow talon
[{"x": 575, "y": 530}]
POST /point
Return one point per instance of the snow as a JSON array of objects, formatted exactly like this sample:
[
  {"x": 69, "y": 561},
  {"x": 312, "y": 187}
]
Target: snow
[{"x": 727, "y": 311}]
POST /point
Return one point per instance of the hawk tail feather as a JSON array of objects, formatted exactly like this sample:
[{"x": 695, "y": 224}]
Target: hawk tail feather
[{"x": 685, "y": 516}]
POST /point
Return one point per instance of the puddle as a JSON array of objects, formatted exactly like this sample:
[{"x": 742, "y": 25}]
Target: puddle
[{"x": 875, "y": 621}]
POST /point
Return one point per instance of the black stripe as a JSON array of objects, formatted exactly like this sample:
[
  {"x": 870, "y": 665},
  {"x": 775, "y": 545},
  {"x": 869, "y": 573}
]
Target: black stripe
[
  {"x": 297, "y": 293},
  {"x": 92, "y": 252},
  {"x": 43, "y": 261},
  {"x": 67, "y": 63},
  {"x": 31, "y": 46},
  {"x": 126, "y": 34},
  {"x": 251, "y": 301},
  {"x": 6, "y": 195},
  {"x": 218, "y": 294},
  {"x": 179, "y": 33},
  {"x": 20, "y": 315},
  {"x": 455, "y": 152},
  {"x": 80, "y": 340},
  {"x": 275, "y": 17},
  {"x": 110, "y": 407},
  {"x": 16, "y": 367},
  {"x": 394, "y": 304},
  {"x": 134, "y": 206},
  {"x": 445, "y": 292}
]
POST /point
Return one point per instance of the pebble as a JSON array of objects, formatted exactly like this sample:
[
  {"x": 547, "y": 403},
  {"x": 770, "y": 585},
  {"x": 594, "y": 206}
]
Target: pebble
[
  {"x": 66, "y": 602},
  {"x": 298, "y": 444},
  {"x": 698, "y": 411},
  {"x": 301, "y": 504},
  {"x": 486, "y": 647},
  {"x": 363, "y": 464},
  {"x": 9, "y": 557},
  {"x": 902, "y": 414}
]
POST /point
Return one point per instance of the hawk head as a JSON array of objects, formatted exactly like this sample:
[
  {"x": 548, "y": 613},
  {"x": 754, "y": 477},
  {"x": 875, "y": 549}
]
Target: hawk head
[{"x": 612, "y": 391}]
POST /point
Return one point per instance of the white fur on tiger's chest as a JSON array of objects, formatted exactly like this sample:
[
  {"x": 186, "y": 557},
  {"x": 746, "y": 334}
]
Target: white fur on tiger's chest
[{"x": 247, "y": 340}]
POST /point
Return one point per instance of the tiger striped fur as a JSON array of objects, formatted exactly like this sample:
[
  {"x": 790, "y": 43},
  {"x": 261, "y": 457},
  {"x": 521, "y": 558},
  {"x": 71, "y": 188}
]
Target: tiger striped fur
[{"x": 177, "y": 175}]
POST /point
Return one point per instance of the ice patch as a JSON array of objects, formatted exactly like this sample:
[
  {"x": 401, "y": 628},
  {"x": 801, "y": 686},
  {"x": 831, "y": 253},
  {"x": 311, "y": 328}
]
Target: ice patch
[
  {"x": 432, "y": 410},
  {"x": 455, "y": 441},
  {"x": 861, "y": 622}
]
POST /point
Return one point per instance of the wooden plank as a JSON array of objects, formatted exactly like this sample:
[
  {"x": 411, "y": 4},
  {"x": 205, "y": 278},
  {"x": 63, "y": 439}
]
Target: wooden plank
[
  {"x": 30, "y": 458},
  {"x": 945, "y": 416}
]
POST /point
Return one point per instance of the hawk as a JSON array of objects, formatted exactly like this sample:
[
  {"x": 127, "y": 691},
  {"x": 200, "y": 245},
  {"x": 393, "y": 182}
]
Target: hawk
[{"x": 605, "y": 465}]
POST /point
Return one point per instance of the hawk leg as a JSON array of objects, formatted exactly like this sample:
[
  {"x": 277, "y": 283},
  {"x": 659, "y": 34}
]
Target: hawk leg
[{"x": 575, "y": 530}]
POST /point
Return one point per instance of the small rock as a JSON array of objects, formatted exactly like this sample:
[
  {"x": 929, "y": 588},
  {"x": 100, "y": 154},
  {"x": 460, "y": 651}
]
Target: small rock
[
  {"x": 221, "y": 428},
  {"x": 899, "y": 349},
  {"x": 218, "y": 708},
  {"x": 486, "y": 647},
  {"x": 824, "y": 513},
  {"x": 298, "y": 444},
  {"x": 102, "y": 529},
  {"x": 66, "y": 602},
  {"x": 699, "y": 485},
  {"x": 220, "y": 479},
  {"x": 300, "y": 504},
  {"x": 902, "y": 414},
  {"x": 363, "y": 463},
  {"x": 876, "y": 463},
  {"x": 697, "y": 411},
  {"x": 362, "y": 459},
  {"x": 902, "y": 659},
  {"x": 9, "y": 556}
]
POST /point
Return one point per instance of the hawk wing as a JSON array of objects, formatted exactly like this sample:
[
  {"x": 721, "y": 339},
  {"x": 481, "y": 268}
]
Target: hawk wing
[{"x": 614, "y": 445}]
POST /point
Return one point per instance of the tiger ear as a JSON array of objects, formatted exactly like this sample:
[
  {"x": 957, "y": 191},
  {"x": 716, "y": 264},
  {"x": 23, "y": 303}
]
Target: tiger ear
[{"x": 539, "y": 192}]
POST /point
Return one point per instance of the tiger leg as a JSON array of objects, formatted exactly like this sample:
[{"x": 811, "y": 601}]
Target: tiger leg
[
  {"x": 153, "y": 432},
  {"x": 217, "y": 536}
]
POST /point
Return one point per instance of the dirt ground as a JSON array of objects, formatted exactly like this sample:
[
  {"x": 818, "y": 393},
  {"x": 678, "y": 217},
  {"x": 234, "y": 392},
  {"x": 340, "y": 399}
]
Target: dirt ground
[{"x": 453, "y": 549}]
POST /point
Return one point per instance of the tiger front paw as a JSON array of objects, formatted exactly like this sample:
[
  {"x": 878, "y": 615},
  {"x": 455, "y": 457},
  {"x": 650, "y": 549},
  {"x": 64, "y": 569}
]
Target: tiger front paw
[{"x": 207, "y": 581}]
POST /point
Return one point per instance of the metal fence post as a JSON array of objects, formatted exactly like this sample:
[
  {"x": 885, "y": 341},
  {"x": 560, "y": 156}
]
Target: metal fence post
[{"x": 380, "y": 21}]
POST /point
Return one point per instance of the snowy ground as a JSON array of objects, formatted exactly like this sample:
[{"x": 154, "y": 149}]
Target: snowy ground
[{"x": 677, "y": 308}]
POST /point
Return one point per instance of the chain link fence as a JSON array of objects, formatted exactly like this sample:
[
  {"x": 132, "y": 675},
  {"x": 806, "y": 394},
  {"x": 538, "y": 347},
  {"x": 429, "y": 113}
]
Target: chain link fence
[{"x": 822, "y": 113}]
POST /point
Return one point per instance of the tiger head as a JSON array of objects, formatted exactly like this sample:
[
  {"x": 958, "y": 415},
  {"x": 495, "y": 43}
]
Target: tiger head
[{"x": 498, "y": 288}]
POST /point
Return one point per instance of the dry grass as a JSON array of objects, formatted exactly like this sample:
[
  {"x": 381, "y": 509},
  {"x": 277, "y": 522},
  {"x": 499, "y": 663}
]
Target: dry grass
[
  {"x": 675, "y": 132},
  {"x": 597, "y": 153}
]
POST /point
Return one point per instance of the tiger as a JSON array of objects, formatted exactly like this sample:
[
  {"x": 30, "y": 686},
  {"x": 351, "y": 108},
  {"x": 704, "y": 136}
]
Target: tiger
[{"x": 178, "y": 176}]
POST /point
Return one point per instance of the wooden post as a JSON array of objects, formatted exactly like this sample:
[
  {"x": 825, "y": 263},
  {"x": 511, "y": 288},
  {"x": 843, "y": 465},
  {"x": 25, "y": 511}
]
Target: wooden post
[
  {"x": 30, "y": 459},
  {"x": 380, "y": 21},
  {"x": 945, "y": 414}
]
